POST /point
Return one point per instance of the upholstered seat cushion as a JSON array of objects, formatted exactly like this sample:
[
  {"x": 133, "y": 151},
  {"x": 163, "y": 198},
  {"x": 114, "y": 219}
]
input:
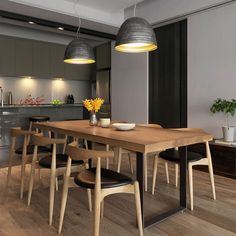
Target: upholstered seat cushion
[
  {"x": 39, "y": 118},
  {"x": 61, "y": 161},
  {"x": 174, "y": 156},
  {"x": 30, "y": 150},
  {"x": 109, "y": 178}
]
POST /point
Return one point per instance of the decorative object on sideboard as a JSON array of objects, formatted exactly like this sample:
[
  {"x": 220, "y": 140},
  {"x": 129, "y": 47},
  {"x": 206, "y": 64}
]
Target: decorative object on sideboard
[
  {"x": 136, "y": 35},
  {"x": 93, "y": 106},
  {"x": 56, "y": 102},
  {"x": 70, "y": 99},
  {"x": 78, "y": 51},
  {"x": 29, "y": 100},
  {"x": 228, "y": 107}
]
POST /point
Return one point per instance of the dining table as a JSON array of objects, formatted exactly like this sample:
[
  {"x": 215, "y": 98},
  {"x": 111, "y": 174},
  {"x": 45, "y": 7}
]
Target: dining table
[{"x": 141, "y": 140}]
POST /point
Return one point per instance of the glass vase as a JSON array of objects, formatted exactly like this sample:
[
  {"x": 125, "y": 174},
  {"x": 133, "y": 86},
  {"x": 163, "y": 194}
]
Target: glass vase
[{"x": 93, "y": 119}]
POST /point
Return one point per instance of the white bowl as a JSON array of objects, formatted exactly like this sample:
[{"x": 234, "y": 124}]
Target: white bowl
[{"x": 123, "y": 126}]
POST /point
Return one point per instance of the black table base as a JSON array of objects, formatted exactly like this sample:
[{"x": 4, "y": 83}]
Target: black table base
[{"x": 183, "y": 191}]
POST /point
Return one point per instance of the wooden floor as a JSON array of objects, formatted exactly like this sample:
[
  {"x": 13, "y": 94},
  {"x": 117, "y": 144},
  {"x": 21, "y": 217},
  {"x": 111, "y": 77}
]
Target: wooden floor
[{"x": 209, "y": 218}]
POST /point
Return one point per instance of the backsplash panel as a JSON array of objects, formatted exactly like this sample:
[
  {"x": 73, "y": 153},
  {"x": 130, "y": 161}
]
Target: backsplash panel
[{"x": 49, "y": 89}]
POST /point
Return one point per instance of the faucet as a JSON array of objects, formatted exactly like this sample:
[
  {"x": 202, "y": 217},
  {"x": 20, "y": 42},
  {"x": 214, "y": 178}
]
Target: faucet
[{"x": 1, "y": 91}]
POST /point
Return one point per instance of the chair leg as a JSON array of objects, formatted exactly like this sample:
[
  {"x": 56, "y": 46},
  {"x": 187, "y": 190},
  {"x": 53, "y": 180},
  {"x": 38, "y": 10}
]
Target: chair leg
[
  {"x": 52, "y": 184},
  {"x": 89, "y": 199},
  {"x": 176, "y": 175},
  {"x": 107, "y": 163},
  {"x": 31, "y": 183},
  {"x": 119, "y": 159},
  {"x": 138, "y": 208},
  {"x": 145, "y": 173},
  {"x": 102, "y": 209},
  {"x": 130, "y": 163},
  {"x": 39, "y": 173},
  {"x": 167, "y": 172},
  {"x": 210, "y": 168},
  {"x": 24, "y": 160},
  {"x": 190, "y": 176},
  {"x": 154, "y": 177},
  {"x": 63, "y": 202},
  {"x": 56, "y": 183}
]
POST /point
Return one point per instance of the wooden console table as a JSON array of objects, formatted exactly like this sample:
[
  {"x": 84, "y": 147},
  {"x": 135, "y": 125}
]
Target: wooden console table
[{"x": 223, "y": 158}]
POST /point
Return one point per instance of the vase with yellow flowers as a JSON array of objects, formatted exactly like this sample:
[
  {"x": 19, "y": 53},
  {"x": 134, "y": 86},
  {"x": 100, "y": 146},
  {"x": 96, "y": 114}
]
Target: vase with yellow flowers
[{"x": 93, "y": 105}]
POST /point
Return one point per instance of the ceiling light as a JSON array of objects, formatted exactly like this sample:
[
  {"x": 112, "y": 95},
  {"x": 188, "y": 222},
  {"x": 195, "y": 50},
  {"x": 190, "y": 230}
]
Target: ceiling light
[
  {"x": 60, "y": 28},
  {"x": 136, "y": 35},
  {"x": 78, "y": 51},
  {"x": 31, "y": 22}
]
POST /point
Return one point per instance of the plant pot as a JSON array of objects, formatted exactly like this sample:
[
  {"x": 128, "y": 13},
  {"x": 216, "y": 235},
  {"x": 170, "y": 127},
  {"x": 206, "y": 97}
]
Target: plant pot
[{"x": 228, "y": 133}]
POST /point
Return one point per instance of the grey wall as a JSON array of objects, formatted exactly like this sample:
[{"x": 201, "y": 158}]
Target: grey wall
[
  {"x": 211, "y": 65},
  {"x": 129, "y": 86}
]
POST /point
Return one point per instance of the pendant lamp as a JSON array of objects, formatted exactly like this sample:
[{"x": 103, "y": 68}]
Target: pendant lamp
[
  {"x": 78, "y": 51},
  {"x": 136, "y": 35}
]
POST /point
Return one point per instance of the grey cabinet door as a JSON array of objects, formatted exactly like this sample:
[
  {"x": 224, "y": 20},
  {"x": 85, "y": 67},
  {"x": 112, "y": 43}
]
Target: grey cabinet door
[
  {"x": 57, "y": 65},
  {"x": 24, "y": 57},
  {"x": 41, "y": 60},
  {"x": 7, "y": 56},
  {"x": 78, "y": 72},
  {"x": 103, "y": 56}
]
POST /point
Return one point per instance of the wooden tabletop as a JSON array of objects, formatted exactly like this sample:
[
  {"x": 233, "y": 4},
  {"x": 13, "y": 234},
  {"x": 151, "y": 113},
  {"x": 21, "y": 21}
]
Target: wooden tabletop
[{"x": 141, "y": 139}]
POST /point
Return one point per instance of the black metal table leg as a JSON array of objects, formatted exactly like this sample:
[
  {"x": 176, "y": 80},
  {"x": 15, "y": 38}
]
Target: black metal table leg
[
  {"x": 183, "y": 199},
  {"x": 183, "y": 174},
  {"x": 139, "y": 176}
]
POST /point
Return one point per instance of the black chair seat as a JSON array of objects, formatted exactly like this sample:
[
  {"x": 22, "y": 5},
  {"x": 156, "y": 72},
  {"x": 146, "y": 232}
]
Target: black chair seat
[
  {"x": 30, "y": 150},
  {"x": 174, "y": 156},
  {"x": 39, "y": 118},
  {"x": 61, "y": 161},
  {"x": 109, "y": 179}
]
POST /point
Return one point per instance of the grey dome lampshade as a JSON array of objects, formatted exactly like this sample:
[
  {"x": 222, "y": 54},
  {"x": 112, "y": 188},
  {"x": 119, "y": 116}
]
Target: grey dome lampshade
[
  {"x": 136, "y": 35},
  {"x": 79, "y": 52}
]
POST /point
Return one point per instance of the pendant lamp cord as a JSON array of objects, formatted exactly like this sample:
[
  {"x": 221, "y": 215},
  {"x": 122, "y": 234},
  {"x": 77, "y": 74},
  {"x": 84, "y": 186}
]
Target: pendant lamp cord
[
  {"x": 135, "y": 5},
  {"x": 77, "y": 13}
]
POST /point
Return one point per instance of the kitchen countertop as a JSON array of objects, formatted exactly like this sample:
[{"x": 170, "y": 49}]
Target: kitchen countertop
[{"x": 41, "y": 106}]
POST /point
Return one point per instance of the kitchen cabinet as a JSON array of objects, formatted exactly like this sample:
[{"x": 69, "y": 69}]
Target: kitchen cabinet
[
  {"x": 103, "y": 56},
  {"x": 78, "y": 72},
  {"x": 57, "y": 65},
  {"x": 7, "y": 56},
  {"x": 41, "y": 59},
  {"x": 23, "y": 57}
]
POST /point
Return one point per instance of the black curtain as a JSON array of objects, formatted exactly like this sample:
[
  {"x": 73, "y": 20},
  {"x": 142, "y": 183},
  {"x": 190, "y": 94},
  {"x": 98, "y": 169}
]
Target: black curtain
[{"x": 168, "y": 77}]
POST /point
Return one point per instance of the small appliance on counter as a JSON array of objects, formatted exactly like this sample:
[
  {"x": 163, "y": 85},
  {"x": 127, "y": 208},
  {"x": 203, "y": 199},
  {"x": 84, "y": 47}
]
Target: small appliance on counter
[
  {"x": 70, "y": 99},
  {"x": 9, "y": 98}
]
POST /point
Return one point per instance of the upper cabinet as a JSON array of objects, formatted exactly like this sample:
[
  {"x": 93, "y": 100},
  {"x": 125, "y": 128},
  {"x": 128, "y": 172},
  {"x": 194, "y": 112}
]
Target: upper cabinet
[
  {"x": 57, "y": 65},
  {"x": 103, "y": 56},
  {"x": 41, "y": 59},
  {"x": 7, "y": 56},
  {"x": 23, "y": 57}
]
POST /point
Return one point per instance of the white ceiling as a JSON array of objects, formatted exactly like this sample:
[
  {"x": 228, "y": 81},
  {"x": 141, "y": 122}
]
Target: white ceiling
[
  {"x": 108, "y": 12},
  {"x": 108, "y": 5}
]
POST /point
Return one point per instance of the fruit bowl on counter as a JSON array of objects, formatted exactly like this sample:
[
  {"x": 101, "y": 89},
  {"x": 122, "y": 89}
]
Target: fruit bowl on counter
[{"x": 56, "y": 102}]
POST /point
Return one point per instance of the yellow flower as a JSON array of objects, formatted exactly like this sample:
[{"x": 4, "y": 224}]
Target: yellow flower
[{"x": 93, "y": 104}]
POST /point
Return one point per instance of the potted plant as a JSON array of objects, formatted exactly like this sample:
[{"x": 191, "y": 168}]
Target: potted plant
[{"x": 228, "y": 107}]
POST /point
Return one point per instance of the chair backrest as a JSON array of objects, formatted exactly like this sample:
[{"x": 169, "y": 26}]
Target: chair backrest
[
  {"x": 151, "y": 125},
  {"x": 40, "y": 140},
  {"x": 76, "y": 153},
  {"x": 17, "y": 131}
]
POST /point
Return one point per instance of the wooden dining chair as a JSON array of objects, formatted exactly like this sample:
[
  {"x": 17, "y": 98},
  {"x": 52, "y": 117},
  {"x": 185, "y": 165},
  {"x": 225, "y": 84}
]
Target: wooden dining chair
[
  {"x": 17, "y": 133},
  {"x": 104, "y": 182},
  {"x": 193, "y": 159},
  {"x": 55, "y": 162},
  {"x": 129, "y": 153}
]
